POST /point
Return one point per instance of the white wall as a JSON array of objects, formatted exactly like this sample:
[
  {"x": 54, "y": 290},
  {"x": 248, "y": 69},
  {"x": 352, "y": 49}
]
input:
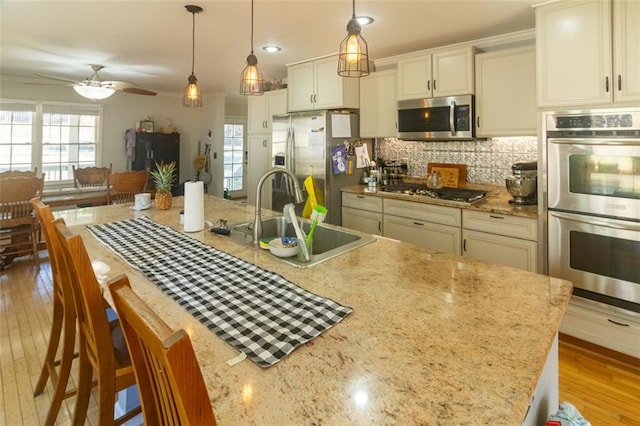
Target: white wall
[{"x": 122, "y": 110}]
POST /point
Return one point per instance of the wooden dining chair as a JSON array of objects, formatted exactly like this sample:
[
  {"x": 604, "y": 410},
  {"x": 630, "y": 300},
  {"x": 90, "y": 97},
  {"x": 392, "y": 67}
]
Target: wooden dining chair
[
  {"x": 63, "y": 323},
  {"x": 102, "y": 348},
  {"x": 172, "y": 389},
  {"x": 18, "y": 225},
  {"x": 19, "y": 173},
  {"x": 123, "y": 186},
  {"x": 91, "y": 177}
]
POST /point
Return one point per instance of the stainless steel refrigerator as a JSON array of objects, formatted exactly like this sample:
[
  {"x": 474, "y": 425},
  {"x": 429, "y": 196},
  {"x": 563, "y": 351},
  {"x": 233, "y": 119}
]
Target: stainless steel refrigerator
[{"x": 305, "y": 143}]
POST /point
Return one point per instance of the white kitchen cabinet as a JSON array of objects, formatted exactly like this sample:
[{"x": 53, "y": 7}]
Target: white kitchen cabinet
[
  {"x": 505, "y": 93},
  {"x": 259, "y": 160},
  {"x": 575, "y": 59},
  {"x": 316, "y": 85},
  {"x": 362, "y": 213},
  {"x": 442, "y": 73},
  {"x": 426, "y": 225},
  {"x": 263, "y": 108},
  {"x": 378, "y": 105},
  {"x": 501, "y": 239}
]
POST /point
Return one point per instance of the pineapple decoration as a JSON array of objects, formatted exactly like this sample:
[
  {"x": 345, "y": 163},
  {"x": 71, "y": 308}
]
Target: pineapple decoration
[{"x": 163, "y": 177}]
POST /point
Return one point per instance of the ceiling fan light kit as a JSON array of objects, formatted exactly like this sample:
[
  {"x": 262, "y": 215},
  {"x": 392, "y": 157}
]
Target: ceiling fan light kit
[
  {"x": 251, "y": 81},
  {"x": 353, "y": 59},
  {"x": 94, "y": 93},
  {"x": 192, "y": 96}
]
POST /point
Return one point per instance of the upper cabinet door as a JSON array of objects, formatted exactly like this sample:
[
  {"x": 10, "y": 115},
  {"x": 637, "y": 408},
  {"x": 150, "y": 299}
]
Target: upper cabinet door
[
  {"x": 316, "y": 85},
  {"x": 257, "y": 113},
  {"x": 573, "y": 43},
  {"x": 505, "y": 93},
  {"x": 444, "y": 73},
  {"x": 414, "y": 78},
  {"x": 453, "y": 72},
  {"x": 378, "y": 105},
  {"x": 626, "y": 48},
  {"x": 301, "y": 86}
]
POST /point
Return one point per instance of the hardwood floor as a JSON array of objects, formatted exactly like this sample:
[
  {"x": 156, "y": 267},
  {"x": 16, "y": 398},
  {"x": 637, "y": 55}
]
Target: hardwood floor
[{"x": 605, "y": 390}]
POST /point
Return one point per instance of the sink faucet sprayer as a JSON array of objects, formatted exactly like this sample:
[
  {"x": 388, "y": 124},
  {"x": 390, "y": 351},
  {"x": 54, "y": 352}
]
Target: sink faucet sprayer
[{"x": 297, "y": 194}]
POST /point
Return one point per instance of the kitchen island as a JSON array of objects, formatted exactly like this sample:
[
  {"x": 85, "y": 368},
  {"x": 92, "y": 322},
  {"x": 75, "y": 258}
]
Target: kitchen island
[{"x": 432, "y": 339}]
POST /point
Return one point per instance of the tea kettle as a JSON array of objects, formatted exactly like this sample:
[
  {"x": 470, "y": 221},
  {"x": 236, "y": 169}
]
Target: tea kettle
[{"x": 434, "y": 180}]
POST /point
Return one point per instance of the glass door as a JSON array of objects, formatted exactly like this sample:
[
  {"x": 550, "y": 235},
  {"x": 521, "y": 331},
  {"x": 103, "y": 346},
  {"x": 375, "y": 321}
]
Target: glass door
[{"x": 234, "y": 162}]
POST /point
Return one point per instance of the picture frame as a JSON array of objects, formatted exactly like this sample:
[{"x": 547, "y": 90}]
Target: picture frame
[{"x": 146, "y": 126}]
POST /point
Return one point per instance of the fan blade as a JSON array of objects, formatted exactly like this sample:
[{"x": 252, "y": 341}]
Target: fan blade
[
  {"x": 52, "y": 77},
  {"x": 137, "y": 91},
  {"x": 117, "y": 85}
]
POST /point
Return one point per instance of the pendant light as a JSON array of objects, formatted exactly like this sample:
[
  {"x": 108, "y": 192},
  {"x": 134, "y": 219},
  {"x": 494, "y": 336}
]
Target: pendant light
[
  {"x": 251, "y": 77},
  {"x": 353, "y": 59},
  {"x": 192, "y": 96}
]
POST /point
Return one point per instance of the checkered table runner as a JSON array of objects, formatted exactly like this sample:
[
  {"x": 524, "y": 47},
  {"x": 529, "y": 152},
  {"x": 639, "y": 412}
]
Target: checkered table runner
[{"x": 256, "y": 311}]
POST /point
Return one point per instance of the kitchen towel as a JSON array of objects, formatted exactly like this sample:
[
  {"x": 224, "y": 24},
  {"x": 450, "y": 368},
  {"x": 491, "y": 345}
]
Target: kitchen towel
[
  {"x": 193, "y": 206},
  {"x": 258, "y": 312}
]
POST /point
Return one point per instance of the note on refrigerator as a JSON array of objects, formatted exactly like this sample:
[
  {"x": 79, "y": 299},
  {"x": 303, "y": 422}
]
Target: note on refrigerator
[
  {"x": 362, "y": 157},
  {"x": 340, "y": 125}
]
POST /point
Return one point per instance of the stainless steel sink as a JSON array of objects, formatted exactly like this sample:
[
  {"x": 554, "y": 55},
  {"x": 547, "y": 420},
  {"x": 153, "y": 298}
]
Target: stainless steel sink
[{"x": 328, "y": 241}]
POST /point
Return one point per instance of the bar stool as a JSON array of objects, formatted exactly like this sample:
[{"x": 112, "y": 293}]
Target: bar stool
[
  {"x": 101, "y": 343},
  {"x": 172, "y": 390},
  {"x": 63, "y": 322}
]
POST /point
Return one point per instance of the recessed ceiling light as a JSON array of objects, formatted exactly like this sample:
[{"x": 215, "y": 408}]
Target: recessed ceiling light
[
  {"x": 271, "y": 49},
  {"x": 364, "y": 20}
]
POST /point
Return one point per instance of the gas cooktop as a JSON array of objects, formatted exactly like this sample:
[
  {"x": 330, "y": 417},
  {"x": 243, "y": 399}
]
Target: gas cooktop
[{"x": 462, "y": 195}]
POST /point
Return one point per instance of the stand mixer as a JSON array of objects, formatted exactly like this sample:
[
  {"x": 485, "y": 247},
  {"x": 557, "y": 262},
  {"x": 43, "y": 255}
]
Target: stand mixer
[{"x": 523, "y": 185}]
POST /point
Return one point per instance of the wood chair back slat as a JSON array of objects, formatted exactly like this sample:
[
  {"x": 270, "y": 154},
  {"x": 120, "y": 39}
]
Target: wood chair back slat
[
  {"x": 91, "y": 177},
  {"x": 125, "y": 185},
  {"x": 172, "y": 389}
]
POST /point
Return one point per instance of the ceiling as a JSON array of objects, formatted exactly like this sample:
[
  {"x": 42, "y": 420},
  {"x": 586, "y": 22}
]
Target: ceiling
[{"x": 148, "y": 42}]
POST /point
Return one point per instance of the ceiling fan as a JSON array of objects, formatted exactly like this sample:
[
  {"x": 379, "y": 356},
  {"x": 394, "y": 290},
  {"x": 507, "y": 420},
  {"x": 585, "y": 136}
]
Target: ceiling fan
[{"x": 95, "y": 87}]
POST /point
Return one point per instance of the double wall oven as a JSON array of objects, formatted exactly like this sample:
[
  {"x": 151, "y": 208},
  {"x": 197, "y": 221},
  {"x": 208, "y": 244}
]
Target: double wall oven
[{"x": 593, "y": 203}]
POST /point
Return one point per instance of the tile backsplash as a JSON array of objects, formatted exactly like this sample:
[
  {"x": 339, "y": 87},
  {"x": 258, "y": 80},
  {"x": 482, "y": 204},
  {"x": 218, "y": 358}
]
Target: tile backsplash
[{"x": 487, "y": 160}]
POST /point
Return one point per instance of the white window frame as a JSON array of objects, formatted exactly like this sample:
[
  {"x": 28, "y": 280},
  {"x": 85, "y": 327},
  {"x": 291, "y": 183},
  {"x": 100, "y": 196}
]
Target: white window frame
[
  {"x": 40, "y": 107},
  {"x": 243, "y": 121}
]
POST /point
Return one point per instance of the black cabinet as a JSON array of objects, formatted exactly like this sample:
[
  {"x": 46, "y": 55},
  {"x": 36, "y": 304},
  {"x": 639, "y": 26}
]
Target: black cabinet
[{"x": 152, "y": 148}]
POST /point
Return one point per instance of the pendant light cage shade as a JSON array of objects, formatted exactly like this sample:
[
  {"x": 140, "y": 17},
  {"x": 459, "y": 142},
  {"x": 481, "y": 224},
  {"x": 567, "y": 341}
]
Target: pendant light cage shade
[
  {"x": 251, "y": 81},
  {"x": 192, "y": 96},
  {"x": 353, "y": 57}
]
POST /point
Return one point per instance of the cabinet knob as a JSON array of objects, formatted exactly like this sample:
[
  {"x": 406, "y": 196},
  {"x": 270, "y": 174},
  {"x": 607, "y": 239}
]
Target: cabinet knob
[
  {"x": 464, "y": 245},
  {"x": 434, "y": 84},
  {"x": 619, "y": 83},
  {"x": 606, "y": 84},
  {"x": 478, "y": 122},
  {"x": 428, "y": 84}
]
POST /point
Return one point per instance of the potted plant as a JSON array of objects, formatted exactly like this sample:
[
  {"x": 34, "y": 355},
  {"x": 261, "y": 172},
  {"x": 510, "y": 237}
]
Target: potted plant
[{"x": 163, "y": 177}]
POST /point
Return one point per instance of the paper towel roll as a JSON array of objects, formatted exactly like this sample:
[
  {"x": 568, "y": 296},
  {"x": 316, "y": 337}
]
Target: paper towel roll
[{"x": 193, "y": 206}]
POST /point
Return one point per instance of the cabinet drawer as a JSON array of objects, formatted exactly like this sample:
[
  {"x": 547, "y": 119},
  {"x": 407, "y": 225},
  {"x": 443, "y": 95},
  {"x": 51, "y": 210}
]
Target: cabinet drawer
[
  {"x": 510, "y": 226},
  {"x": 610, "y": 330},
  {"x": 362, "y": 202},
  {"x": 425, "y": 234},
  {"x": 450, "y": 216}
]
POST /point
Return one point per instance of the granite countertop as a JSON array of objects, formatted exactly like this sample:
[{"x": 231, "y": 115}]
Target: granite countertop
[
  {"x": 496, "y": 201},
  {"x": 433, "y": 338}
]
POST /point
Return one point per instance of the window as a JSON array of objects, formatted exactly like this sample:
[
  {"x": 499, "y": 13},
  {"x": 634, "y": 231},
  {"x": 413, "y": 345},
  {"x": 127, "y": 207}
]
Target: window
[
  {"x": 51, "y": 137},
  {"x": 233, "y": 158}
]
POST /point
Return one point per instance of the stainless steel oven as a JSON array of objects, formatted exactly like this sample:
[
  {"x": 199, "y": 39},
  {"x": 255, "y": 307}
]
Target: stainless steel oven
[{"x": 593, "y": 202}]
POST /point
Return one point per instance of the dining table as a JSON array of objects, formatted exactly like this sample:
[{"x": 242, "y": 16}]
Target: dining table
[{"x": 426, "y": 338}]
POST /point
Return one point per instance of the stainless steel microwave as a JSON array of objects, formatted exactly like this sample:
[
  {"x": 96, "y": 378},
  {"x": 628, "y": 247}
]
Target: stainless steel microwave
[{"x": 437, "y": 118}]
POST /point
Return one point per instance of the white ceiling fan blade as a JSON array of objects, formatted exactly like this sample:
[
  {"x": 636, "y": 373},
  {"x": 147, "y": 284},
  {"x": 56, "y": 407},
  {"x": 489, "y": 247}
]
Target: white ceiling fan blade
[{"x": 52, "y": 77}]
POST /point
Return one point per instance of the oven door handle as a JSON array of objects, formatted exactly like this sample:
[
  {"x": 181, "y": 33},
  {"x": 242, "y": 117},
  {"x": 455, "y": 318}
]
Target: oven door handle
[
  {"x": 592, "y": 220},
  {"x": 581, "y": 141}
]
